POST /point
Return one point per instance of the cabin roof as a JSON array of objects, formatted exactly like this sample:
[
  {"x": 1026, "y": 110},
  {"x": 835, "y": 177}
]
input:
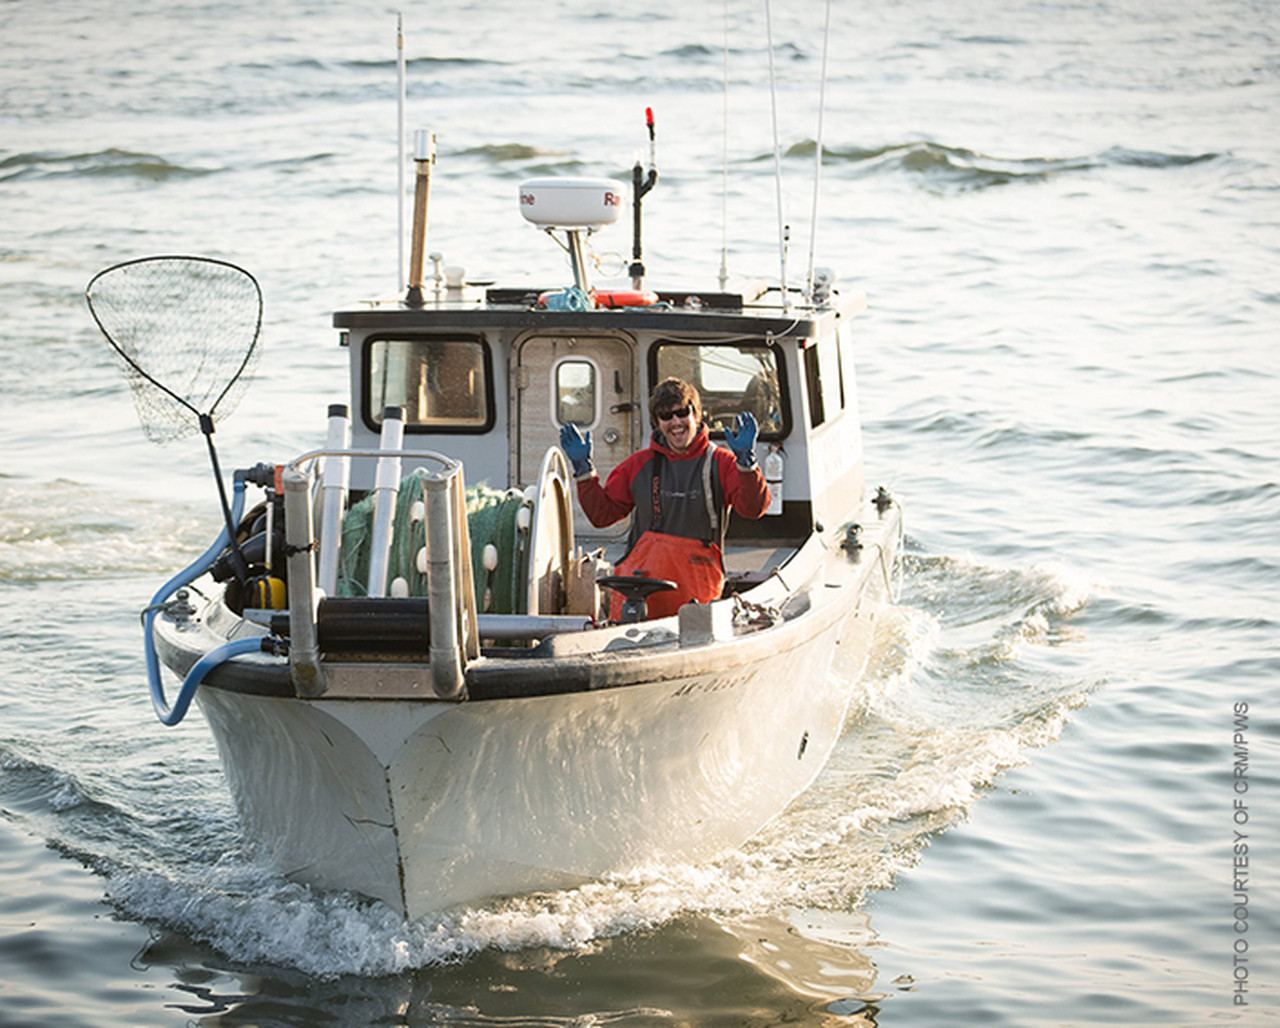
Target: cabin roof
[{"x": 719, "y": 313}]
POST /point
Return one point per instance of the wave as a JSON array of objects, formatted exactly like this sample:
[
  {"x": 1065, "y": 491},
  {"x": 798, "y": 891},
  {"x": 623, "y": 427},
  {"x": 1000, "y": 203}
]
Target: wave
[
  {"x": 693, "y": 52},
  {"x": 421, "y": 63},
  {"x": 991, "y": 611},
  {"x": 1124, "y": 157},
  {"x": 961, "y": 169},
  {"x": 980, "y": 430},
  {"x": 253, "y": 915},
  {"x": 64, "y": 530},
  {"x": 502, "y": 153},
  {"x": 32, "y": 785},
  {"x": 109, "y": 163}
]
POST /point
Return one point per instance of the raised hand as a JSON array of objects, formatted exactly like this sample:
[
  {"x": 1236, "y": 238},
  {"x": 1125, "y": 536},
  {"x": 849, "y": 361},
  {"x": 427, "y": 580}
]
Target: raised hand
[
  {"x": 577, "y": 447},
  {"x": 742, "y": 439}
]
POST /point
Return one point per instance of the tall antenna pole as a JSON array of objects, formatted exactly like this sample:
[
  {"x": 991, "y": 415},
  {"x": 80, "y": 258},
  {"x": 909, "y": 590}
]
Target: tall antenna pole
[
  {"x": 724, "y": 163},
  {"x": 783, "y": 231},
  {"x": 400, "y": 279},
  {"x": 817, "y": 163}
]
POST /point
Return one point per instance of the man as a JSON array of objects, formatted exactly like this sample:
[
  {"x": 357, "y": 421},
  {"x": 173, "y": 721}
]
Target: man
[{"x": 681, "y": 488}]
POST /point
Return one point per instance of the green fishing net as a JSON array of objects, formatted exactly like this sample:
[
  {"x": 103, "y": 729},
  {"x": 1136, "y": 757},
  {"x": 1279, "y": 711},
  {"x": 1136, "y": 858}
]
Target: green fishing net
[{"x": 493, "y": 520}]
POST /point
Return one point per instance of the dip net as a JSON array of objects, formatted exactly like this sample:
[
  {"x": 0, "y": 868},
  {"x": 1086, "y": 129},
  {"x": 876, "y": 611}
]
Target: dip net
[{"x": 186, "y": 331}]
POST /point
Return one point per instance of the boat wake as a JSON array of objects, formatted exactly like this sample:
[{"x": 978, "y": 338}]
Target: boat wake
[{"x": 956, "y": 693}]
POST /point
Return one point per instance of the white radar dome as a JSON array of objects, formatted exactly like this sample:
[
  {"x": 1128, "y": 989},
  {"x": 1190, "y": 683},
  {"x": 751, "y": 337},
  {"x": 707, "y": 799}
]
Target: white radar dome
[{"x": 572, "y": 202}]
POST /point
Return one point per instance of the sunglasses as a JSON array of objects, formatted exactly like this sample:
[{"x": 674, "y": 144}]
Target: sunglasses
[{"x": 679, "y": 412}]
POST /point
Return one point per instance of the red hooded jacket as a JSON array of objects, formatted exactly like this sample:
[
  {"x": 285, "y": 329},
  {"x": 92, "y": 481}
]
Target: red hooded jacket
[{"x": 682, "y": 505}]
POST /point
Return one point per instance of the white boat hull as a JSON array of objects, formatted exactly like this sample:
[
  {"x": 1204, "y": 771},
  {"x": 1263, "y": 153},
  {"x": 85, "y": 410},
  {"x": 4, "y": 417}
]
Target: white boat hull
[{"x": 426, "y": 804}]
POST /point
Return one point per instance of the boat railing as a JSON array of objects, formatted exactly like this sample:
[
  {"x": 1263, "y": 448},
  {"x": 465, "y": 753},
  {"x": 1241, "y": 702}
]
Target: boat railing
[
  {"x": 453, "y": 635},
  {"x": 333, "y": 483},
  {"x": 311, "y": 456}
]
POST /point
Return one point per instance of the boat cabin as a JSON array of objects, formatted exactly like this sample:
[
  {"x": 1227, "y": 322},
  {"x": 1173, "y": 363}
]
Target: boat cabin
[{"x": 490, "y": 378}]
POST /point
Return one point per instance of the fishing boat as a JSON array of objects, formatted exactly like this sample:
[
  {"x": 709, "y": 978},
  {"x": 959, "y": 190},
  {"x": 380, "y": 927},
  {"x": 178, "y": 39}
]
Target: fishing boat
[{"x": 405, "y": 651}]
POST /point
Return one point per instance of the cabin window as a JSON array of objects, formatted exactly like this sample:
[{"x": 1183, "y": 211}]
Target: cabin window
[
  {"x": 576, "y": 393},
  {"x": 824, "y": 379},
  {"x": 833, "y": 373},
  {"x": 443, "y": 382},
  {"x": 745, "y": 375},
  {"x": 813, "y": 387}
]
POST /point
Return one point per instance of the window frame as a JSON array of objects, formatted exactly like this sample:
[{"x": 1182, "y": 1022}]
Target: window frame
[
  {"x": 739, "y": 343},
  {"x": 373, "y": 419},
  {"x": 597, "y": 389}
]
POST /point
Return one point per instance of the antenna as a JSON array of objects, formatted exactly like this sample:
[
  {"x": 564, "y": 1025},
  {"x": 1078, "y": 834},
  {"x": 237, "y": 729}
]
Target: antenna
[
  {"x": 817, "y": 162},
  {"x": 724, "y": 162},
  {"x": 400, "y": 150},
  {"x": 783, "y": 230}
]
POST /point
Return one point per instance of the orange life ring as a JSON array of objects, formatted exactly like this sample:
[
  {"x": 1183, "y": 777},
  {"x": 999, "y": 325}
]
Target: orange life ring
[{"x": 612, "y": 298}]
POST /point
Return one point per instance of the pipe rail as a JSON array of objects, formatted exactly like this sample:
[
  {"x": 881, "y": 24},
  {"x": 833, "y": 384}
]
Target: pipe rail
[{"x": 447, "y": 464}]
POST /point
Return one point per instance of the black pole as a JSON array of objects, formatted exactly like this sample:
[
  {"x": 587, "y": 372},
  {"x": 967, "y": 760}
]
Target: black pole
[
  {"x": 639, "y": 187},
  {"x": 637, "y": 191},
  {"x": 237, "y": 558}
]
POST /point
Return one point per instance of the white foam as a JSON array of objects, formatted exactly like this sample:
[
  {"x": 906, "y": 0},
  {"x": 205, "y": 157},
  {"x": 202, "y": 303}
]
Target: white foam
[
  {"x": 60, "y": 529},
  {"x": 253, "y": 915},
  {"x": 915, "y": 757}
]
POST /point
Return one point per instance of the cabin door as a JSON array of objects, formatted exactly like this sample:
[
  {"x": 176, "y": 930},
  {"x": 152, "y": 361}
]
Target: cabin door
[{"x": 590, "y": 380}]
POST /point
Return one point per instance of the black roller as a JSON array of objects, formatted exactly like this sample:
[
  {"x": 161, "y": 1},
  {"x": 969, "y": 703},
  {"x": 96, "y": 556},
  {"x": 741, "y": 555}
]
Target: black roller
[{"x": 361, "y": 624}]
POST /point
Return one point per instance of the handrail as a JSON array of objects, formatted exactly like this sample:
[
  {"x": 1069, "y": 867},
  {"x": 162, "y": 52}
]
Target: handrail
[
  {"x": 447, "y": 646},
  {"x": 448, "y": 464},
  {"x": 453, "y": 634},
  {"x": 304, "y": 649}
]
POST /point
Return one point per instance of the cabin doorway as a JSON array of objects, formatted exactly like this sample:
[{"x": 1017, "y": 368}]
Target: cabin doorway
[{"x": 587, "y": 379}]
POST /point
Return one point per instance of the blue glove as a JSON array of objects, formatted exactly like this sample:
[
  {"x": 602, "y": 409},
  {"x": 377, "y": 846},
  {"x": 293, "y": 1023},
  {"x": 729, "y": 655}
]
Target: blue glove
[
  {"x": 742, "y": 439},
  {"x": 577, "y": 447}
]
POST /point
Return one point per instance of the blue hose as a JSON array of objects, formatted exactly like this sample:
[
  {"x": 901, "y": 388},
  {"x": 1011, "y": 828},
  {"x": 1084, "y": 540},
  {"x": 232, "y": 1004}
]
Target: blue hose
[
  {"x": 199, "y": 669},
  {"x": 172, "y": 715}
]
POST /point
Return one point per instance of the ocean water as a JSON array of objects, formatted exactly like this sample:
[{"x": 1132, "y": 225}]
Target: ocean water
[{"x": 1057, "y": 800}]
